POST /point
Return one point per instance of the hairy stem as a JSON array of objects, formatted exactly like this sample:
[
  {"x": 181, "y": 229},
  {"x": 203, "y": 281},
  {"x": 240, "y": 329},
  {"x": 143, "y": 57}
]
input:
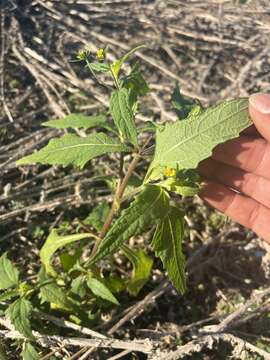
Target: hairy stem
[{"x": 116, "y": 202}]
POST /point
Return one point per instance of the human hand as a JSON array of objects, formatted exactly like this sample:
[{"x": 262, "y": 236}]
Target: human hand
[{"x": 237, "y": 176}]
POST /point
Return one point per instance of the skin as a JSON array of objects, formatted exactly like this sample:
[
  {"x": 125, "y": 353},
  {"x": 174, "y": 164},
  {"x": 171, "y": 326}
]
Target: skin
[{"x": 237, "y": 176}]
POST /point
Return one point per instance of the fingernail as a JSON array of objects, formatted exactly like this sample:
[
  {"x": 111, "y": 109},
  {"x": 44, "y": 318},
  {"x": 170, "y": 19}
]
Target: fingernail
[{"x": 261, "y": 102}]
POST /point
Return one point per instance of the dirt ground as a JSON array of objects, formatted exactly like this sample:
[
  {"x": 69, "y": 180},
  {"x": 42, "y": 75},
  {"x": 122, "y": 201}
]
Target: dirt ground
[{"x": 215, "y": 49}]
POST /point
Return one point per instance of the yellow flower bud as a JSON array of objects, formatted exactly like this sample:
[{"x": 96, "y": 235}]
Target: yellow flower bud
[
  {"x": 100, "y": 54},
  {"x": 83, "y": 54}
]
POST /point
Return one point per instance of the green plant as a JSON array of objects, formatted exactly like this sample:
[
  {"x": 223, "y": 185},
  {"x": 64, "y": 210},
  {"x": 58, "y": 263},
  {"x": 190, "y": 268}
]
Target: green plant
[{"x": 81, "y": 286}]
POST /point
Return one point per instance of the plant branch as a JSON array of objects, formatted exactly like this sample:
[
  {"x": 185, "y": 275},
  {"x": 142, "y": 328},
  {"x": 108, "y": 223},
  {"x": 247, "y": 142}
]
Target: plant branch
[
  {"x": 145, "y": 346},
  {"x": 116, "y": 202},
  {"x": 208, "y": 341},
  {"x": 121, "y": 166}
]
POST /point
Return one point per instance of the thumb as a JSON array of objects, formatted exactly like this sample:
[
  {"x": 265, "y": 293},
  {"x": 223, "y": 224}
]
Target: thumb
[{"x": 259, "y": 109}]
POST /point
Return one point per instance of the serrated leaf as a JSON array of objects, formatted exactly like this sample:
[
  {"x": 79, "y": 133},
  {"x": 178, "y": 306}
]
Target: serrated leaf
[
  {"x": 142, "y": 266},
  {"x": 100, "y": 290},
  {"x": 19, "y": 313},
  {"x": 79, "y": 121},
  {"x": 55, "y": 242},
  {"x": 183, "y": 144},
  {"x": 149, "y": 206},
  {"x": 97, "y": 216},
  {"x": 71, "y": 149},
  {"x": 9, "y": 275},
  {"x": 123, "y": 116},
  {"x": 55, "y": 295},
  {"x": 167, "y": 244},
  {"x": 9, "y": 294},
  {"x": 29, "y": 352}
]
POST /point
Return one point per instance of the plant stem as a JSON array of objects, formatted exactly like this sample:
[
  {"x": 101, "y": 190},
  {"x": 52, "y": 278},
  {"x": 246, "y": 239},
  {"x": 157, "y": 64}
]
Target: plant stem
[
  {"x": 121, "y": 167},
  {"x": 116, "y": 202}
]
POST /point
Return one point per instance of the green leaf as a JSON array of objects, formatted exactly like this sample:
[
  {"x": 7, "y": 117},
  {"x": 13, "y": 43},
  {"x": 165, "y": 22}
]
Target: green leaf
[
  {"x": 55, "y": 242},
  {"x": 117, "y": 65},
  {"x": 115, "y": 283},
  {"x": 100, "y": 290},
  {"x": 77, "y": 121},
  {"x": 98, "y": 216},
  {"x": 78, "y": 286},
  {"x": 69, "y": 260},
  {"x": 149, "y": 206},
  {"x": 183, "y": 144},
  {"x": 136, "y": 84},
  {"x": 19, "y": 313},
  {"x": 29, "y": 352},
  {"x": 55, "y": 295},
  {"x": 9, "y": 294},
  {"x": 142, "y": 266},
  {"x": 185, "y": 189},
  {"x": 186, "y": 183},
  {"x": 167, "y": 244},
  {"x": 71, "y": 149},
  {"x": 183, "y": 105},
  {"x": 123, "y": 116},
  {"x": 98, "y": 67},
  {"x": 9, "y": 275}
]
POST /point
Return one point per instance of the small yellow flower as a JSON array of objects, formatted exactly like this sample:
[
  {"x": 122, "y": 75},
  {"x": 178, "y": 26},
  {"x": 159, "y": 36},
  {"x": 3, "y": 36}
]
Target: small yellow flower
[
  {"x": 100, "y": 54},
  {"x": 169, "y": 172}
]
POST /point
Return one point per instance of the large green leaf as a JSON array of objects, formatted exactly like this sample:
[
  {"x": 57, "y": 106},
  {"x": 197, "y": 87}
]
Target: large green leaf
[
  {"x": 100, "y": 290},
  {"x": 77, "y": 121},
  {"x": 19, "y": 312},
  {"x": 123, "y": 116},
  {"x": 183, "y": 144},
  {"x": 72, "y": 149},
  {"x": 149, "y": 206},
  {"x": 55, "y": 242},
  {"x": 29, "y": 352},
  {"x": 142, "y": 266},
  {"x": 167, "y": 244},
  {"x": 9, "y": 275}
]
